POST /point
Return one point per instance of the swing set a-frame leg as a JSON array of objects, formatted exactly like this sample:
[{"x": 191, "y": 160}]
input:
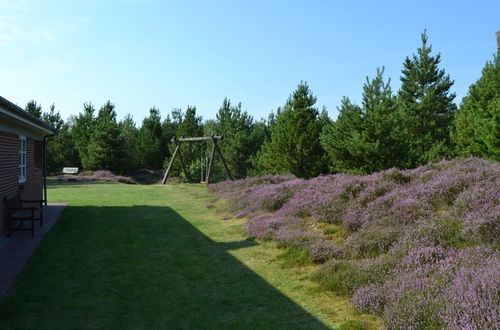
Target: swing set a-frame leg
[
  {"x": 210, "y": 163},
  {"x": 223, "y": 160},
  {"x": 186, "y": 174},
  {"x": 176, "y": 152},
  {"x": 170, "y": 164}
]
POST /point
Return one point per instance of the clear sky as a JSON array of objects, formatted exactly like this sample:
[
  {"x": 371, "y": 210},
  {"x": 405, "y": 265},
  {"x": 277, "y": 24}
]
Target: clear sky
[{"x": 169, "y": 54}]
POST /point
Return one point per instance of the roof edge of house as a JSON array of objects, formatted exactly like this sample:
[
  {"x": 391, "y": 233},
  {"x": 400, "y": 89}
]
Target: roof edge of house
[{"x": 26, "y": 115}]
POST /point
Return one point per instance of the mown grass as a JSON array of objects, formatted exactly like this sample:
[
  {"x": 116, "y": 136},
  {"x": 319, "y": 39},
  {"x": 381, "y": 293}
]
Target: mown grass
[{"x": 155, "y": 257}]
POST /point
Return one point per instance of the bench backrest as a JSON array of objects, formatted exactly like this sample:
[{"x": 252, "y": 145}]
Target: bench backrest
[
  {"x": 13, "y": 201},
  {"x": 70, "y": 170}
]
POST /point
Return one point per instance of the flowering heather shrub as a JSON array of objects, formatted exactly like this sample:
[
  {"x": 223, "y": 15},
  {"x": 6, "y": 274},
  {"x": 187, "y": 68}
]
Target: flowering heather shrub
[
  {"x": 300, "y": 238},
  {"x": 226, "y": 189},
  {"x": 106, "y": 175},
  {"x": 412, "y": 294},
  {"x": 479, "y": 206},
  {"x": 413, "y": 304},
  {"x": 373, "y": 192},
  {"x": 432, "y": 193},
  {"x": 422, "y": 245},
  {"x": 369, "y": 299},
  {"x": 413, "y": 298},
  {"x": 103, "y": 175},
  {"x": 269, "y": 195},
  {"x": 266, "y": 179},
  {"x": 372, "y": 242},
  {"x": 402, "y": 205},
  {"x": 323, "y": 198},
  {"x": 267, "y": 226},
  {"x": 263, "y": 227},
  {"x": 393, "y": 175},
  {"x": 423, "y": 256},
  {"x": 347, "y": 276},
  {"x": 428, "y": 290},
  {"x": 474, "y": 298},
  {"x": 430, "y": 232},
  {"x": 322, "y": 251}
]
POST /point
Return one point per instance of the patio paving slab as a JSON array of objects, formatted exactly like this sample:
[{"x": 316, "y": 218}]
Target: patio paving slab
[{"x": 16, "y": 251}]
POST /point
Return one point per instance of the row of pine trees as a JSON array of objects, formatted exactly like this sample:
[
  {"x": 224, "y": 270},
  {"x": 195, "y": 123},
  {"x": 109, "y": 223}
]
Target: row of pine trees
[
  {"x": 417, "y": 124},
  {"x": 95, "y": 139}
]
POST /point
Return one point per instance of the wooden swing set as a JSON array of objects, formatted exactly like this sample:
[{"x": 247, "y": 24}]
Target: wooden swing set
[{"x": 215, "y": 147}]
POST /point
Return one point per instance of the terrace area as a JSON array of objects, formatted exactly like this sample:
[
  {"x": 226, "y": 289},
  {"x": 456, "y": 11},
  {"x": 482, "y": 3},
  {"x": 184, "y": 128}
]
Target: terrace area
[{"x": 15, "y": 252}]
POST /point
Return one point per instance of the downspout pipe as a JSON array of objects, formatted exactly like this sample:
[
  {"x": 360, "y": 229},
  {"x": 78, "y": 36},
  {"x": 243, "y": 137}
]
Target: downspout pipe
[{"x": 44, "y": 159}]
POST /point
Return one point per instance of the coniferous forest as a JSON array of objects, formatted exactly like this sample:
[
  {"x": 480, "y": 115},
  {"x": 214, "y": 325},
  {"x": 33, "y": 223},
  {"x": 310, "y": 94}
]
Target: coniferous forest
[{"x": 415, "y": 125}]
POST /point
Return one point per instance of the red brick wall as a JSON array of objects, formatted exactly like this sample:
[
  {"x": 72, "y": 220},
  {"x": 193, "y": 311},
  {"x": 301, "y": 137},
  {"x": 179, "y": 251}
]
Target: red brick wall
[
  {"x": 32, "y": 188},
  {"x": 9, "y": 173}
]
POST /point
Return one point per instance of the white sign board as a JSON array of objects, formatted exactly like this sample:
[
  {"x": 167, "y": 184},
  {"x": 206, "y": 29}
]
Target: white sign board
[{"x": 70, "y": 170}]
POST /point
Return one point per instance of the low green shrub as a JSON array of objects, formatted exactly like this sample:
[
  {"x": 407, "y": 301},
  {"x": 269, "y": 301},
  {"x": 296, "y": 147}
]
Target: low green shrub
[
  {"x": 294, "y": 257},
  {"x": 351, "y": 325}
]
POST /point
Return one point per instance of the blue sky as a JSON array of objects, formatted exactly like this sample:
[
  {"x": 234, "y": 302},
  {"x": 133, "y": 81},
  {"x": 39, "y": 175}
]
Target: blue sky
[{"x": 170, "y": 54}]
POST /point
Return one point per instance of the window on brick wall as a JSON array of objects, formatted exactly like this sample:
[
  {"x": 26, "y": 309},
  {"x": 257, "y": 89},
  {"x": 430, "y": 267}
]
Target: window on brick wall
[
  {"x": 38, "y": 163},
  {"x": 22, "y": 158}
]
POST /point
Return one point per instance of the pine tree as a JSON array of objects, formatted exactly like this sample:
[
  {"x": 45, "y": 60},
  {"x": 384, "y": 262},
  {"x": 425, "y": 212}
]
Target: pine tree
[
  {"x": 261, "y": 134},
  {"x": 239, "y": 143},
  {"x": 343, "y": 138},
  {"x": 53, "y": 118},
  {"x": 294, "y": 146},
  {"x": 81, "y": 132},
  {"x": 169, "y": 130},
  {"x": 128, "y": 137},
  {"x": 362, "y": 140},
  {"x": 61, "y": 150},
  {"x": 425, "y": 107},
  {"x": 105, "y": 150},
  {"x": 191, "y": 125},
  {"x": 170, "y": 127},
  {"x": 34, "y": 109},
  {"x": 149, "y": 142},
  {"x": 380, "y": 143},
  {"x": 477, "y": 124}
]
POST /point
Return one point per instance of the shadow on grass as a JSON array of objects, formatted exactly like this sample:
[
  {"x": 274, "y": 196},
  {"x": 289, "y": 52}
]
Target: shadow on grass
[{"x": 142, "y": 267}]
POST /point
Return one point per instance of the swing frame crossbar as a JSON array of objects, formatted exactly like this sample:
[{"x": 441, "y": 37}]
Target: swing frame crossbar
[{"x": 215, "y": 148}]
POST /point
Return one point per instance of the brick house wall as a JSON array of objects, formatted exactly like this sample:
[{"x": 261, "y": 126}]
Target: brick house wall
[
  {"x": 33, "y": 187},
  {"x": 9, "y": 172},
  {"x": 9, "y": 169},
  {"x": 14, "y": 123}
]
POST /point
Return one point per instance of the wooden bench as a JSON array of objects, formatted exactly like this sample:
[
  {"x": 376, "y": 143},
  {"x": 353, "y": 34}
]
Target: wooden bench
[
  {"x": 18, "y": 212},
  {"x": 70, "y": 170}
]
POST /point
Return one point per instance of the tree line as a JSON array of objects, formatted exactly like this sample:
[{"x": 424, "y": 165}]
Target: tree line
[{"x": 418, "y": 124}]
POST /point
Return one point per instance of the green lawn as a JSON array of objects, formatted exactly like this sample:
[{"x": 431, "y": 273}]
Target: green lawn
[{"x": 155, "y": 257}]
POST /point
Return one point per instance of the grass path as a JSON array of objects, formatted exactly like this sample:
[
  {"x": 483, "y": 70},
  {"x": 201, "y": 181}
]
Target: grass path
[{"x": 155, "y": 257}]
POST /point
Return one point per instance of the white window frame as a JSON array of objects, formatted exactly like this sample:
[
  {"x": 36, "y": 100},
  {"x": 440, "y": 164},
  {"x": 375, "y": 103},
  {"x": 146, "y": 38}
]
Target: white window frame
[{"x": 22, "y": 158}]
